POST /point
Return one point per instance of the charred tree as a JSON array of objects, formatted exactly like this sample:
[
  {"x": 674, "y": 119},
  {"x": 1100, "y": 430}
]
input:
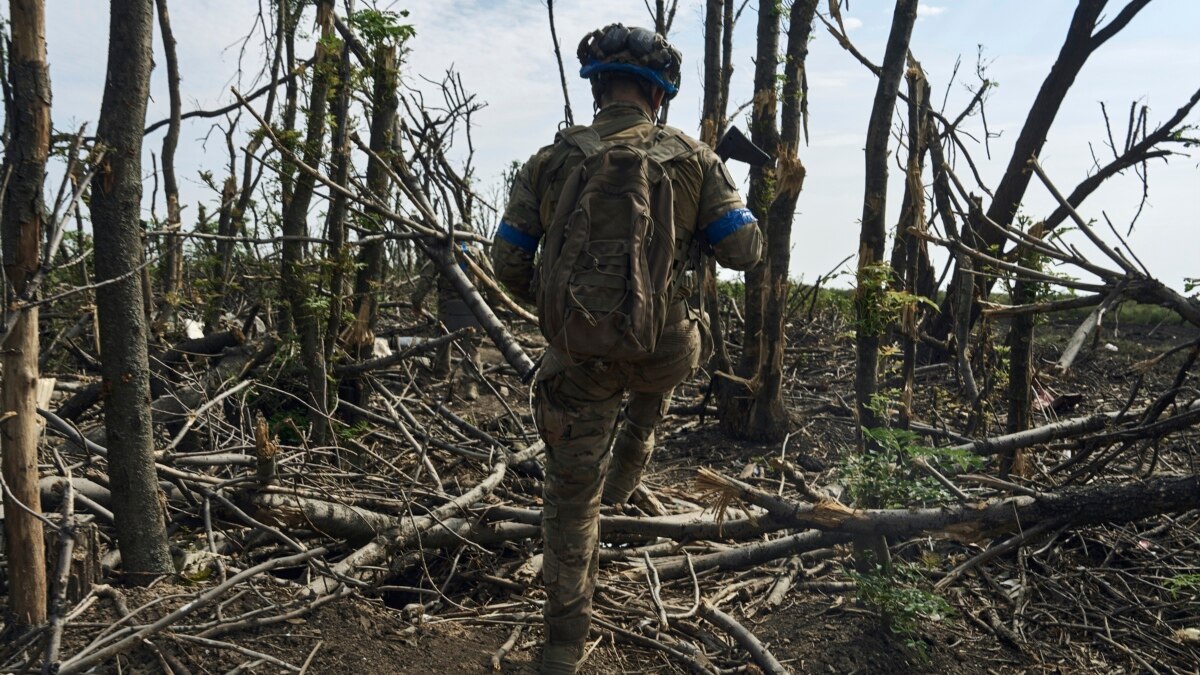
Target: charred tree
[
  {"x": 21, "y": 233},
  {"x": 116, "y": 210}
]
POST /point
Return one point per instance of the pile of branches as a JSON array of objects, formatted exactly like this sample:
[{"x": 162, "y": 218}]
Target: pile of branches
[{"x": 436, "y": 505}]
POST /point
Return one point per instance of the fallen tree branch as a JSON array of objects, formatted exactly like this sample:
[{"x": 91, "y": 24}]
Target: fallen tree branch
[
  {"x": 1089, "y": 505},
  {"x": 758, "y": 651}
]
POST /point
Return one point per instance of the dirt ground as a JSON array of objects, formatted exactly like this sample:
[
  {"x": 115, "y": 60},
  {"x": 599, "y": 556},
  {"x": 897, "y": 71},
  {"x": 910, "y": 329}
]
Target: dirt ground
[{"x": 820, "y": 628}]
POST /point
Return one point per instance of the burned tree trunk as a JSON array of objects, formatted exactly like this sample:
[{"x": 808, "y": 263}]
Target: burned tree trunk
[
  {"x": 873, "y": 271},
  {"x": 116, "y": 209},
  {"x": 21, "y": 232}
]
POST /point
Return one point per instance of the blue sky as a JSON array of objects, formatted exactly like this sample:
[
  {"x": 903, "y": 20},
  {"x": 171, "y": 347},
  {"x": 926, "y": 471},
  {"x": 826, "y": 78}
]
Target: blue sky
[{"x": 502, "y": 49}]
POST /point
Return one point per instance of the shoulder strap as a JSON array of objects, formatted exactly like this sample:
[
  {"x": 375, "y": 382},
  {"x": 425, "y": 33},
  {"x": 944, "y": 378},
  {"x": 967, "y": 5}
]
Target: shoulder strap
[
  {"x": 585, "y": 138},
  {"x": 668, "y": 145}
]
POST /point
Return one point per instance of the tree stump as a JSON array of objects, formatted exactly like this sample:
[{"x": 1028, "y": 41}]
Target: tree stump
[{"x": 85, "y": 557}]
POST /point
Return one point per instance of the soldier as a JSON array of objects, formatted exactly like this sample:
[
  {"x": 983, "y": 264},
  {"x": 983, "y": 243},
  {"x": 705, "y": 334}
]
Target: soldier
[
  {"x": 453, "y": 314},
  {"x": 633, "y": 71}
]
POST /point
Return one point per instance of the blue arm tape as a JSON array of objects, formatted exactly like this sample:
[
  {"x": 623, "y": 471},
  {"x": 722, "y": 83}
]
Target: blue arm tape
[
  {"x": 523, "y": 241},
  {"x": 727, "y": 224}
]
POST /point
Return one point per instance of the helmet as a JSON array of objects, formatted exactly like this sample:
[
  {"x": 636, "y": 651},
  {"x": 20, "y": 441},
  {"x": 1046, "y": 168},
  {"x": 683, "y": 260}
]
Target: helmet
[{"x": 634, "y": 51}]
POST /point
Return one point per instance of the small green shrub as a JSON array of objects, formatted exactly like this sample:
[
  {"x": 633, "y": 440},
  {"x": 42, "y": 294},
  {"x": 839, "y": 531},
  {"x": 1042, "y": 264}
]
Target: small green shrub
[
  {"x": 898, "y": 595},
  {"x": 888, "y": 479}
]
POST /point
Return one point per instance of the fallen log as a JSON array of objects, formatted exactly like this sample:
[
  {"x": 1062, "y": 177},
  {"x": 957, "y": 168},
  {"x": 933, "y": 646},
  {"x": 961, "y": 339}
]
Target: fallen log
[
  {"x": 1053, "y": 432},
  {"x": 1088, "y": 505},
  {"x": 501, "y": 523}
]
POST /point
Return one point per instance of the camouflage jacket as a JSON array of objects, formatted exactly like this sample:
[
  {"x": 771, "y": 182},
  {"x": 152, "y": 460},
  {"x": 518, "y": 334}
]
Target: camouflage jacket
[{"x": 707, "y": 204}]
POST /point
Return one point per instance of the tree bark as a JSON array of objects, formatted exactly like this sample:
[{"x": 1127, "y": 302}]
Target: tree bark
[
  {"x": 384, "y": 104},
  {"x": 768, "y": 417},
  {"x": 737, "y": 394},
  {"x": 21, "y": 231},
  {"x": 711, "y": 111},
  {"x": 335, "y": 223},
  {"x": 171, "y": 277},
  {"x": 297, "y": 289},
  {"x": 116, "y": 210},
  {"x": 874, "y": 228},
  {"x": 1089, "y": 505}
]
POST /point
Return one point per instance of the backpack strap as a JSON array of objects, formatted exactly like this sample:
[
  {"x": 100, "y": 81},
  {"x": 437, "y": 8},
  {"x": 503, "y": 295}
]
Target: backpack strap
[
  {"x": 669, "y": 145},
  {"x": 585, "y": 138}
]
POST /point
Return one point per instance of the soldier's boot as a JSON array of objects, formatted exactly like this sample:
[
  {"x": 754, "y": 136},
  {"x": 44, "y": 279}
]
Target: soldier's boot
[
  {"x": 562, "y": 658},
  {"x": 472, "y": 373},
  {"x": 630, "y": 454},
  {"x": 441, "y": 362}
]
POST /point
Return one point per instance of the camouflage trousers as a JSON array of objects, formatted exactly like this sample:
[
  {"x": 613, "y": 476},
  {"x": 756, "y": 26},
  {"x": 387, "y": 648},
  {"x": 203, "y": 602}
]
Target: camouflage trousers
[{"x": 577, "y": 408}]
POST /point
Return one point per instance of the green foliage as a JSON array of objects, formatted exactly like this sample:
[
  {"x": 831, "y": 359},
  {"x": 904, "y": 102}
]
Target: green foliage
[
  {"x": 877, "y": 304},
  {"x": 354, "y": 431},
  {"x": 1183, "y": 584},
  {"x": 899, "y": 596},
  {"x": 1191, "y": 285},
  {"x": 285, "y": 424},
  {"x": 380, "y": 27},
  {"x": 888, "y": 479}
]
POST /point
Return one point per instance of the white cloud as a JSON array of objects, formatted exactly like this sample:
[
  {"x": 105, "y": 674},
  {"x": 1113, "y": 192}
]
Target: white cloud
[
  {"x": 929, "y": 10},
  {"x": 852, "y": 23}
]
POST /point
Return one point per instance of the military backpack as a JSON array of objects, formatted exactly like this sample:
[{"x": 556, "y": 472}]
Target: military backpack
[{"x": 606, "y": 273}]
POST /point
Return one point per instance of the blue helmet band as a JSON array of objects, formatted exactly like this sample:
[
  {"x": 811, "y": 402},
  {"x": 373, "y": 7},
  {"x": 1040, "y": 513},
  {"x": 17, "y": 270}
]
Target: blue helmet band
[{"x": 595, "y": 68}]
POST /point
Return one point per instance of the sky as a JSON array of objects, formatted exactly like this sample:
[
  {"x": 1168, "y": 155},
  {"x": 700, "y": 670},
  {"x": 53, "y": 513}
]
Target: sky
[{"x": 503, "y": 51}]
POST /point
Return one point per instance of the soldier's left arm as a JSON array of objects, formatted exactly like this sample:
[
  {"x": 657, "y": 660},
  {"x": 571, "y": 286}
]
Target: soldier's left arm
[
  {"x": 519, "y": 234},
  {"x": 724, "y": 222}
]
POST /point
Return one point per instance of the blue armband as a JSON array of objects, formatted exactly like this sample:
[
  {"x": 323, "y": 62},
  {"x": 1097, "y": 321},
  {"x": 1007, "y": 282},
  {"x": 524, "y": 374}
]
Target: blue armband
[
  {"x": 523, "y": 241},
  {"x": 727, "y": 224}
]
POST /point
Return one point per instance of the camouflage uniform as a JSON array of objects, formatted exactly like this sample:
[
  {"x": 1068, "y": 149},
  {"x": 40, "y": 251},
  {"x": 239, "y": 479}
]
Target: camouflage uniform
[
  {"x": 453, "y": 313},
  {"x": 577, "y": 406}
]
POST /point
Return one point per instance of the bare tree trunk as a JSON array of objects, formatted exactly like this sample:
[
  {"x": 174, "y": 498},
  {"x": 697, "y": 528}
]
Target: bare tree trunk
[
  {"x": 116, "y": 210},
  {"x": 769, "y": 419},
  {"x": 726, "y": 62},
  {"x": 20, "y": 230},
  {"x": 384, "y": 104},
  {"x": 172, "y": 267},
  {"x": 872, "y": 238},
  {"x": 737, "y": 393},
  {"x": 335, "y": 223},
  {"x": 568, "y": 116},
  {"x": 711, "y": 111},
  {"x": 909, "y": 255},
  {"x": 1020, "y": 373},
  {"x": 287, "y": 37},
  {"x": 297, "y": 289}
]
